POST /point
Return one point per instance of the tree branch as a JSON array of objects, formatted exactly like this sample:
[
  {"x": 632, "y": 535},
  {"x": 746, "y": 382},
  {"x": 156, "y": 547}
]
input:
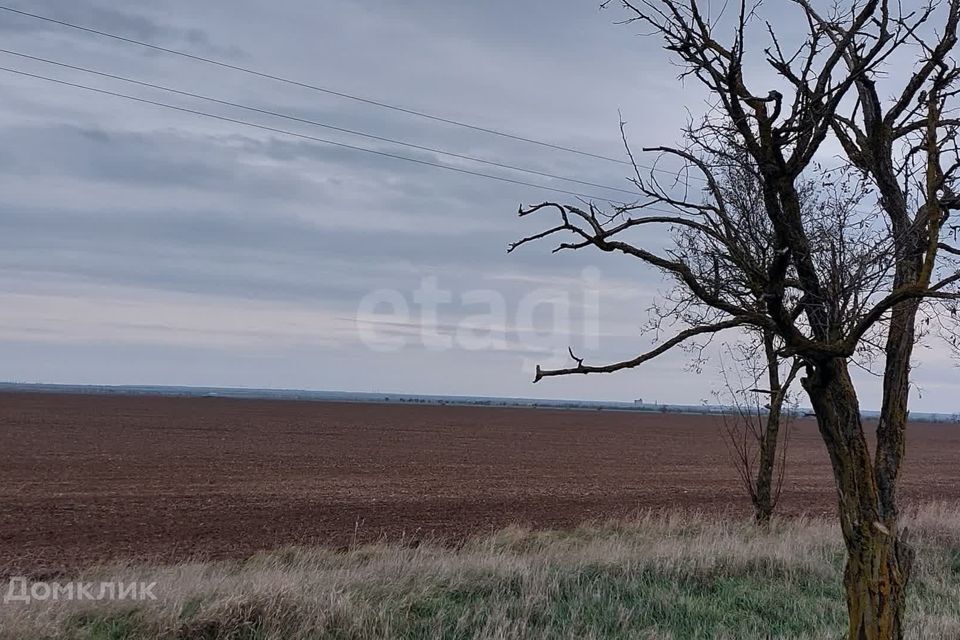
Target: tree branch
[{"x": 650, "y": 355}]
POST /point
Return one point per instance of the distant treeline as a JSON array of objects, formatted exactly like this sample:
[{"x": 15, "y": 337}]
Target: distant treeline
[{"x": 478, "y": 401}]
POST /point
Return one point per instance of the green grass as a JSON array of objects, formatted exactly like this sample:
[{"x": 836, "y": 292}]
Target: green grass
[
  {"x": 115, "y": 626},
  {"x": 658, "y": 577}
]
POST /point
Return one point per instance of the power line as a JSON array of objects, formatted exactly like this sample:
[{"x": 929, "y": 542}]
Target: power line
[
  {"x": 316, "y": 123},
  {"x": 340, "y": 94},
  {"x": 304, "y": 136},
  {"x": 312, "y": 87}
]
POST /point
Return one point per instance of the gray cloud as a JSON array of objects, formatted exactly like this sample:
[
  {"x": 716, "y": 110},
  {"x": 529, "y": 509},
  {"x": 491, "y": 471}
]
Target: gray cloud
[
  {"x": 140, "y": 245},
  {"x": 137, "y": 25}
]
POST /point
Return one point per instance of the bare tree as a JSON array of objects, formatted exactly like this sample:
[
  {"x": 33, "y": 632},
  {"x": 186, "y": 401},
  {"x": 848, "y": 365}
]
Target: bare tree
[
  {"x": 826, "y": 300},
  {"x": 757, "y": 430}
]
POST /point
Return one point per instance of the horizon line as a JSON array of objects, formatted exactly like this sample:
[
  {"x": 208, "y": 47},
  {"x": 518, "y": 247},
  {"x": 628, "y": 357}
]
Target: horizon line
[{"x": 320, "y": 395}]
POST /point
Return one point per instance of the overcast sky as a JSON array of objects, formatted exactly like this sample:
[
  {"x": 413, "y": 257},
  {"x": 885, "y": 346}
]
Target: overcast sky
[{"x": 141, "y": 245}]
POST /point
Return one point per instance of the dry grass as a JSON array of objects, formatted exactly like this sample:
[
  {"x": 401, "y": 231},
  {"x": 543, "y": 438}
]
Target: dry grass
[{"x": 658, "y": 576}]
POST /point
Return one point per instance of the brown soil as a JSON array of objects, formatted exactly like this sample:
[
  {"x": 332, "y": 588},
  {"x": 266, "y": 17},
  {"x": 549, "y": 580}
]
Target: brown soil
[{"x": 91, "y": 478}]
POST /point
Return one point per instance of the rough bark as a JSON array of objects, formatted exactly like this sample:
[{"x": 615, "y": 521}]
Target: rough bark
[
  {"x": 878, "y": 557},
  {"x": 875, "y": 580}
]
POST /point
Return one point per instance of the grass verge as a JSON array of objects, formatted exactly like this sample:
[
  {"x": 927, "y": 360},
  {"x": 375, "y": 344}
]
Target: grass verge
[{"x": 659, "y": 576}]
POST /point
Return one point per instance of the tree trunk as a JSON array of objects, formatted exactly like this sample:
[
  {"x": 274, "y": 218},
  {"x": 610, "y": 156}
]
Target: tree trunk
[
  {"x": 878, "y": 560},
  {"x": 875, "y": 581},
  {"x": 764, "y": 500}
]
